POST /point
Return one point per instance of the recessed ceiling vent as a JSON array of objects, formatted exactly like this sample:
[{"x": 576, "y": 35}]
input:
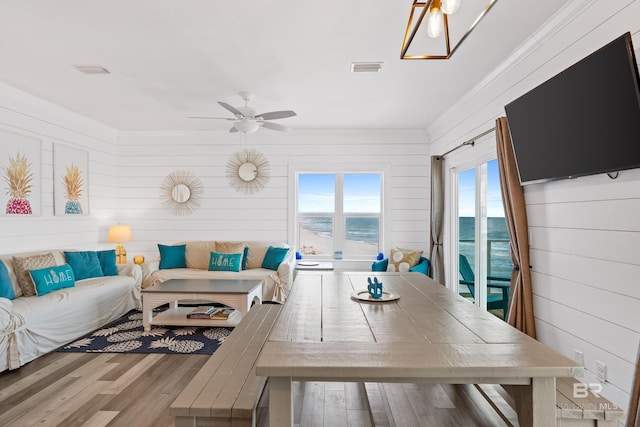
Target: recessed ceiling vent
[
  {"x": 366, "y": 67},
  {"x": 91, "y": 69}
]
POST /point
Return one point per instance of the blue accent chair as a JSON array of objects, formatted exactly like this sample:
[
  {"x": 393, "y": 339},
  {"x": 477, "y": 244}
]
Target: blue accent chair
[
  {"x": 421, "y": 267},
  {"x": 500, "y": 302}
]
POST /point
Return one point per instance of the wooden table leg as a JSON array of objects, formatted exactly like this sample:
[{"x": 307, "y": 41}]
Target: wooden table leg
[
  {"x": 544, "y": 401},
  {"x": 280, "y": 402},
  {"x": 535, "y": 403}
]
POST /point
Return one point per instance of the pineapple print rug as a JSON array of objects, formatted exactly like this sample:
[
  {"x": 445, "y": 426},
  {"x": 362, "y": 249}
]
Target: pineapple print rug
[{"x": 126, "y": 336}]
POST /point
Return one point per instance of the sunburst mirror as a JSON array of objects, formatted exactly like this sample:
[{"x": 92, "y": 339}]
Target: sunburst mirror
[
  {"x": 181, "y": 192},
  {"x": 248, "y": 171}
]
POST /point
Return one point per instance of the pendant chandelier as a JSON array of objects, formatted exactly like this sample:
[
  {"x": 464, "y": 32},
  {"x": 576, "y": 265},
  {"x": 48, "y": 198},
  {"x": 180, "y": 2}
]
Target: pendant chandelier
[{"x": 433, "y": 33}]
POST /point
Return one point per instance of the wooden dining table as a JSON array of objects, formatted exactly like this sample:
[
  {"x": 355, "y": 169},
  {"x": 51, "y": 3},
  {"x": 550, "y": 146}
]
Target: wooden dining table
[{"x": 327, "y": 331}]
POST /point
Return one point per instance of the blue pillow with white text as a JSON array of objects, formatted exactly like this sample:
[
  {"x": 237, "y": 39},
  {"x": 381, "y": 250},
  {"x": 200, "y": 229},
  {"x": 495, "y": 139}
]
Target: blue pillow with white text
[
  {"x": 225, "y": 262},
  {"x": 49, "y": 279}
]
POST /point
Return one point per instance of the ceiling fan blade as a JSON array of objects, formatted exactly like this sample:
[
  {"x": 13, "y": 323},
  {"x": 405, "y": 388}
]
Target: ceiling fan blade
[
  {"x": 231, "y": 108},
  {"x": 275, "y": 126},
  {"x": 233, "y": 129},
  {"x": 276, "y": 115},
  {"x": 212, "y": 118}
]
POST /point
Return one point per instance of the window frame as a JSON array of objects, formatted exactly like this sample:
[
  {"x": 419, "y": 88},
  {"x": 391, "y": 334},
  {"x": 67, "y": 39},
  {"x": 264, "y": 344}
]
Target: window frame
[{"x": 339, "y": 218}]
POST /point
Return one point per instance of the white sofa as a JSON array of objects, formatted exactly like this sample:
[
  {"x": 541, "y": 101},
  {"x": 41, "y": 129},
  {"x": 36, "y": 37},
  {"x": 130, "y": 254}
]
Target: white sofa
[
  {"x": 33, "y": 326},
  {"x": 275, "y": 283}
]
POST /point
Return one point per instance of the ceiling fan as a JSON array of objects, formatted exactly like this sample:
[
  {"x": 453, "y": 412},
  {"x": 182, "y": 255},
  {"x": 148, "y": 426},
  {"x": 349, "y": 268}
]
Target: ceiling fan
[{"x": 247, "y": 121}]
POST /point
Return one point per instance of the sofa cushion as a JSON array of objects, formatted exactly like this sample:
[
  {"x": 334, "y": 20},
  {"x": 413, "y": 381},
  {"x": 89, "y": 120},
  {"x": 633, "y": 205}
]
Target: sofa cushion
[
  {"x": 108, "y": 262},
  {"x": 274, "y": 257},
  {"x": 401, "y": 260},
  {"x": 198, "y": 253},
  {"x": 85, "y": 264},
  {"x": 257, "y": 251},
  {"x": 172, "y": 256},
  {"x": 50, "y": 279},
  {"x": 22, "y": 265},
  {"x": 225, "y": 262},
  {"x": 6, "y": 287}
]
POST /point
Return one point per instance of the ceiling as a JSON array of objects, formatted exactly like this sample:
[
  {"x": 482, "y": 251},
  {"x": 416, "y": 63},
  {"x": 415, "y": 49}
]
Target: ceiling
[{"x": 170, "y": 59}]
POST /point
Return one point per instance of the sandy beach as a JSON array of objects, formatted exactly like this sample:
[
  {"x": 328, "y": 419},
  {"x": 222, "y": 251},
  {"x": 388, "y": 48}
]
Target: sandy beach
[{"x": 314, "y": 244}]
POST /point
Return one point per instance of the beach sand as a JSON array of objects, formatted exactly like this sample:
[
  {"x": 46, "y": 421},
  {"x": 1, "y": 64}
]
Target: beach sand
[{"x": 313, "y": 244}]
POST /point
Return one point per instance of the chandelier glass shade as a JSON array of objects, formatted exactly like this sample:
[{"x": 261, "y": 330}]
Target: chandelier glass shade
[{"x": 433, "y": 32}]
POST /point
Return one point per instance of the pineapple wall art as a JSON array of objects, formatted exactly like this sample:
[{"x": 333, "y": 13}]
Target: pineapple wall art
[
  {"x": 70, "y": 180},
  {"x": 18, "y": 178},
  {"x": 20, "y": 169}
]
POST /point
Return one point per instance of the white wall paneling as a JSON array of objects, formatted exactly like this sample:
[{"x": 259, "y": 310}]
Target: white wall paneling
[
  {"x": 147, "y": 157},
  {"x": 26, "y": 115},
  {"x": 584, "y": 232}
]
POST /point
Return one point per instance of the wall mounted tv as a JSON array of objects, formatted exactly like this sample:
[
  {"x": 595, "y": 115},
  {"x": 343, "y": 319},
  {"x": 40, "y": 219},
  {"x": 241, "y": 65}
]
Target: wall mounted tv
[{"x": 583, "y": 121}]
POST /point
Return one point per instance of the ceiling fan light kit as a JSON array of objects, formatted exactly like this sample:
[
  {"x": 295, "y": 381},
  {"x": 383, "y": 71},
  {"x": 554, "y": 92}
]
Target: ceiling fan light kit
[
  {"x": 246, "y": 120},
  {"x": 442, "y": 37}
]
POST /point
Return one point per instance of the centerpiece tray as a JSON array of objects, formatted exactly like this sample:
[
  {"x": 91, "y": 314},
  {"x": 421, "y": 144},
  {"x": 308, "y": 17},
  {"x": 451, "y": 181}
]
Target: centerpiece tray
[{"x": 363, "y": 295}]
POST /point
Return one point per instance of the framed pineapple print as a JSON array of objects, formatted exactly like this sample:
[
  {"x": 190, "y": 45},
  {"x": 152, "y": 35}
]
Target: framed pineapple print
[
  {"x": 21, "y": 177},
  {"x": 70, "y": 180}
]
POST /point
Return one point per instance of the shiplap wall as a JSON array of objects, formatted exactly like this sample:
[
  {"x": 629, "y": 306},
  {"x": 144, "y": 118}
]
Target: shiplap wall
[
  {"x": 23, "y": 114},
  {"x": 146, "y": 158},
  {"x": 585, "y": 233}
]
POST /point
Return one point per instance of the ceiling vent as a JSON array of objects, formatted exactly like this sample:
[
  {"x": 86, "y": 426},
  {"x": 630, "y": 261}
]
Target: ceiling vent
[
  {"x": 91, "y": 69},
  {"x": 366, "y": 67}
]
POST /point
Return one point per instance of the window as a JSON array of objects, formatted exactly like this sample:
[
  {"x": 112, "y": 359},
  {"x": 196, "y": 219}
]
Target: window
[{"x": 339, "y": 213}]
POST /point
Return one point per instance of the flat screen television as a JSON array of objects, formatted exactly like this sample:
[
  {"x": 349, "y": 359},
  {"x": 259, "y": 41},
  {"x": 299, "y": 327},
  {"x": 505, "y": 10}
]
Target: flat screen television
[{"x": 583, "y": 121}]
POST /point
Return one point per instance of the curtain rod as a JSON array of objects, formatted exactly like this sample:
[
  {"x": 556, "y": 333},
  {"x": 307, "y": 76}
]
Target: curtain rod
[{"x": 470, "y": 142}]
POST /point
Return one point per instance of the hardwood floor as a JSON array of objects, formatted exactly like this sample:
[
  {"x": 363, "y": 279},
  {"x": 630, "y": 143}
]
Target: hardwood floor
[{"x": 76, "y": 389}]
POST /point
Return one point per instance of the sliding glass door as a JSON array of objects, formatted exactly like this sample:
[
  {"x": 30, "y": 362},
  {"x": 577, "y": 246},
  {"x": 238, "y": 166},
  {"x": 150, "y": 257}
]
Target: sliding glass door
[{"x": 482, "y": 245}]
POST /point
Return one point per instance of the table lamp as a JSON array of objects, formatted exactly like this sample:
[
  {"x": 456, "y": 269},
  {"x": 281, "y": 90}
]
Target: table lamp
[{"x": 119, "y": 234}]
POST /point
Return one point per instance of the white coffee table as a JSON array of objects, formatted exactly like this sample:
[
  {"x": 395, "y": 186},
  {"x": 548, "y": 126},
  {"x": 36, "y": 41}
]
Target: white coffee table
[{"x": 239, "y": 294}]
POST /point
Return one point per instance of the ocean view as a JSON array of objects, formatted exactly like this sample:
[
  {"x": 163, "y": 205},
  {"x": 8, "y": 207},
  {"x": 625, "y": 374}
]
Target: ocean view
[
  {"x": 497, "y": 238},
  {"x": 365, "y": 231},
  {"x": 362, "y": 236},
  {"x": 358, "y": 229}
]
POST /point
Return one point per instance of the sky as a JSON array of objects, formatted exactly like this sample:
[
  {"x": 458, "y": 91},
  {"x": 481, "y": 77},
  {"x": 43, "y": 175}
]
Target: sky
[
  {"x": 466, "y": 192},
  {"x": 316, "y": 193}
]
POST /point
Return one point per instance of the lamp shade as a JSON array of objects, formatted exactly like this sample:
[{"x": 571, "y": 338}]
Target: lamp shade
[{"x": 119, "y": 234}]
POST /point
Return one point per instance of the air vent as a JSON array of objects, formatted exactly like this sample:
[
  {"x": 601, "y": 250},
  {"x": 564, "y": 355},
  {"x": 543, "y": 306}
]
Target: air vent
[
  {"x": 91, "y": 69},
  {"x": 366, "y": 67}
]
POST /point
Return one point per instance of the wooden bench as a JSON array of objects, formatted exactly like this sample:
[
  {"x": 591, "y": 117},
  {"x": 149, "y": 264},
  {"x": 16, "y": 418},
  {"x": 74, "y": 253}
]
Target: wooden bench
[
  {"x": 591, "y": 410},
  {"x": 226, "y": 390}
]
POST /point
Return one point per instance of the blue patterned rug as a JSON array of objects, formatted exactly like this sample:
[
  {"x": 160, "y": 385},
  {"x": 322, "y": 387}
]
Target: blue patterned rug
[{"x": 126, "y": 336}]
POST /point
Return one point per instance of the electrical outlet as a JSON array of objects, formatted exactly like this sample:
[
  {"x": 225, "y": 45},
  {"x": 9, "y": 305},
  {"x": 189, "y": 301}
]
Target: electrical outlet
[
  {"x": 578, "y": 357},
  {"x": 601, "y": 371}
]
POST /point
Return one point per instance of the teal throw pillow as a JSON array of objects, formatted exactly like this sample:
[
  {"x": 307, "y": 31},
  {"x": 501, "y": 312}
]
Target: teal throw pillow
[
  {"x": 6, "y": 287},
  {"x": 85, "y": 265},
  {"x": 422, "y": 267},
  {"x": 380, "y": 265},
  {"x": 108, "y": 262},
  {"x": 244, "y": 257},
  {"x": 225, "y": 262},
  {"x": 50, "y": 279},
  {"x": 274, "y": 257},
  {"x": 174, "y": 256}
]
